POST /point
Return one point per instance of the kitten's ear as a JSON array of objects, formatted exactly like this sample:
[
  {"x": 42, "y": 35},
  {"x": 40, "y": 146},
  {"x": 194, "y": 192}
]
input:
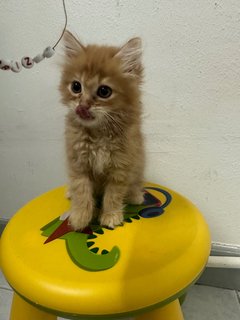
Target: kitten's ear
[
  {"x": 130, "y": 55},
  {"x": 72, "y": 46}
]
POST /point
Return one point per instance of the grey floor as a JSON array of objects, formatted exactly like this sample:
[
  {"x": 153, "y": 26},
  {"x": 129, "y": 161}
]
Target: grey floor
[{"x": 202, "y": 303}]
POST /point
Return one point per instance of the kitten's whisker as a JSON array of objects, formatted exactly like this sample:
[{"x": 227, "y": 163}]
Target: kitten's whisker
[
  {"x": 106, "y": 123},
  {"x": 115, "y": 122},
  {"x": 114, "y": 112},
  {"x": 111, "y": 122}
]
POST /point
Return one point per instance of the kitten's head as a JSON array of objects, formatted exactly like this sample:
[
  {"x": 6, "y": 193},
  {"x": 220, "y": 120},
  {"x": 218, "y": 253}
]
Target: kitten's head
[{"x": 100, "y": 84}]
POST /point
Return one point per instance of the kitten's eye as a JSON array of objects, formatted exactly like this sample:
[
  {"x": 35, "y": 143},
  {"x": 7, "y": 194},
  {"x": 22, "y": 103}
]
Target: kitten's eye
[
  {"x": 76, "y": 87},
  {"x": 104, "y": 92}
]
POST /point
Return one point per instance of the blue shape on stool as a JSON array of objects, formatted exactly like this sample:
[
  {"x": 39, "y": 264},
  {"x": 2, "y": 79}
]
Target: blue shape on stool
[
  {"x": 151, "y": 212},
  {"x": 158, "y": 210}
]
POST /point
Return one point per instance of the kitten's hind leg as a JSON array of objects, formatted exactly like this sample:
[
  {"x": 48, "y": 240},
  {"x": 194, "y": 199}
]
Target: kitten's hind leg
[
  {"x": 68, "y": 194},
  {"x": 135, "y": 194}
]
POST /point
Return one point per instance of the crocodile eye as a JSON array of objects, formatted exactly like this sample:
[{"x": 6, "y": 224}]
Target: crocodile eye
[
  {"x": 76, "y": 87},
  {"x": 104, "y": 92}
]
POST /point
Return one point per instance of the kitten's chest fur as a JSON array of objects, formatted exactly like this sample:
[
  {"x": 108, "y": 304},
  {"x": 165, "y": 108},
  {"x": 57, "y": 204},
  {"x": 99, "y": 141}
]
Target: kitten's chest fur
[{"x": 93, "y": 153}]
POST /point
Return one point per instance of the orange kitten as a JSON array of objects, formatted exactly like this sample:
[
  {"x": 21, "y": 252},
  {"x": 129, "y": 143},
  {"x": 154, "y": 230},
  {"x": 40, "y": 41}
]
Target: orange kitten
[{"x": 100, "y": 85}]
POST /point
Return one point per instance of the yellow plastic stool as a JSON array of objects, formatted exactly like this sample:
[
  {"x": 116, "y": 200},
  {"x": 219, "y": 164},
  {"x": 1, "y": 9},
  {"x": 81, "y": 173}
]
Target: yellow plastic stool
[{"x": 139, "y": 269}]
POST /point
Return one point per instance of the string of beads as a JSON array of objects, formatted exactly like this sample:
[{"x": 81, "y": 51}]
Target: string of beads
[{"x": 28, "y": 62}]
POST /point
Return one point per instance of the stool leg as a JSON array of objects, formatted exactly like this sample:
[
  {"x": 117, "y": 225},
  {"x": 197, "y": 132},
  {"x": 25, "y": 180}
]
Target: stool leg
[
  {"x": 23, "y": 310},
  {"x": 171, "y": 311}
]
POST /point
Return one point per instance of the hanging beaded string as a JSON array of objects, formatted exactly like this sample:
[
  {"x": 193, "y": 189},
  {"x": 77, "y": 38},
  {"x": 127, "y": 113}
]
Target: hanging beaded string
[{"x": 28, "y": 62}]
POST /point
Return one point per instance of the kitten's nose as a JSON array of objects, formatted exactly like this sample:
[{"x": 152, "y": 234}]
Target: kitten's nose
[
  {"x": 83, "y": 112},
  {"x": 84, "y": 105}
]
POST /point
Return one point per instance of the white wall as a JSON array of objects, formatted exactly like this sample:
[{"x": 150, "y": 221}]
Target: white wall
[{"x": 192, "y": 92}]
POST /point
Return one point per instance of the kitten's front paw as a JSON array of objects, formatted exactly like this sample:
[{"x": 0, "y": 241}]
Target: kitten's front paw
[
  {"x": 79, "y": 219},
  {"x": 111, "y": 219}
]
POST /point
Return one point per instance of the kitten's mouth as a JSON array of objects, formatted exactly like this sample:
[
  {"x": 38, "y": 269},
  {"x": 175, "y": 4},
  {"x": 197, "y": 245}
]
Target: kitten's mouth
[{"x": 84, "y": 113}]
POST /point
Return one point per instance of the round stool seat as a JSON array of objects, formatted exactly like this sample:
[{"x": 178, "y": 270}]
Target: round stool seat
[{"x": 151, "y": 260}]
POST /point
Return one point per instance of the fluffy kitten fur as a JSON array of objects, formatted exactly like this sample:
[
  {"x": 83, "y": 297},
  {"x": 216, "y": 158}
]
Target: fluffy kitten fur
[{"x": 104, "y": 144}]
